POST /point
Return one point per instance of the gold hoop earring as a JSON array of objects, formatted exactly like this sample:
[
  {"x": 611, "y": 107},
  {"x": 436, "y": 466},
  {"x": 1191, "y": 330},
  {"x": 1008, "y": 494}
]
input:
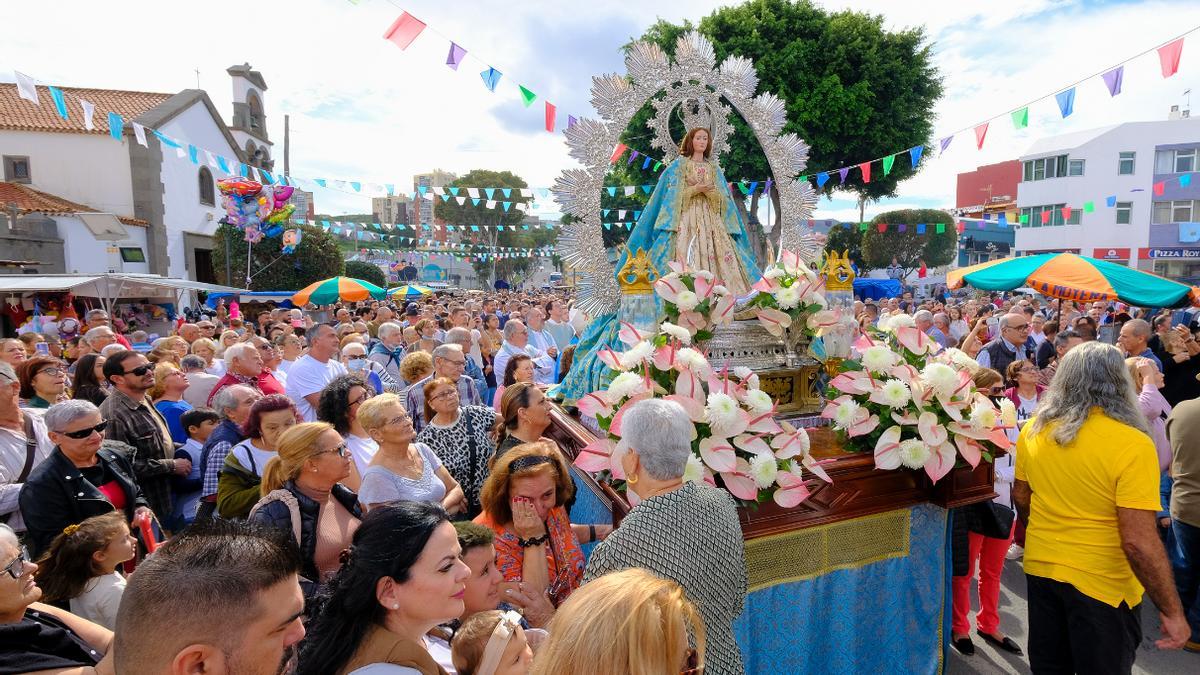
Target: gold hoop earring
[{"x": 632, "y": 480}]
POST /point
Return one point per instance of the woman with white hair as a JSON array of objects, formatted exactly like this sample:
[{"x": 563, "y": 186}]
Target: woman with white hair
[{"x": 697, "y": 541}]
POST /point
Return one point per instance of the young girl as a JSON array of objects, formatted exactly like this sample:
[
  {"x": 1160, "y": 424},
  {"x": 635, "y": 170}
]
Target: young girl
[
  {"x": 81, "y": 565},
  {"x": 491, "y": 643}
]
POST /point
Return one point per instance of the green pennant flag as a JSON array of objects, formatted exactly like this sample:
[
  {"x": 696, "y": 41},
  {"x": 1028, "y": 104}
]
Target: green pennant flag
[
  {"x": 862, "y": 227},
  {"x": 1024, "y": 219},
  {"x": 803, "y": 178},
  {"x": 1088, "y": 207},
  {"x": 1020, "y": 118},
  {"x": 656, "y": 165},
  {"x": 887, "y": 164},
  {"x": 941, "y": 228},
  {"x": 528, "y": 96},
  {"x": 744, "y": 188}
]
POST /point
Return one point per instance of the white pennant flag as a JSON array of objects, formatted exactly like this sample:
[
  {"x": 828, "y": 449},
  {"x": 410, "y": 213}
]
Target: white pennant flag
[
  {"x": 521, "y": 207},
  {"x": 27, "y": 88},
  {"x": 438, "y": 190},
  {"x": 139, "y": 131},
  {"x": 629, "y": 190},
  {"x": 491, "y": 203},
  {"x": 180, "y": 152},
  {"x": 621, "y": 214},
  {"x": 526, "y": 192},
  {"x": 212, "y": 160},
  {"x": 89, "y": 111},
  {"x": 474, "y": 192},
  {"x": 461, "y": 200}
]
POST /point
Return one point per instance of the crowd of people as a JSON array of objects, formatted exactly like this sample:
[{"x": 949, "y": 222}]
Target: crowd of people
[
  {"x": 370, "y": 489},
  {"x": 371, "y": 492}
]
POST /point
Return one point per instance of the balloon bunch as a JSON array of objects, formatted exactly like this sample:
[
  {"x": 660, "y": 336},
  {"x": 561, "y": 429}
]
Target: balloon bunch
[{"x": 256, "y": 210}]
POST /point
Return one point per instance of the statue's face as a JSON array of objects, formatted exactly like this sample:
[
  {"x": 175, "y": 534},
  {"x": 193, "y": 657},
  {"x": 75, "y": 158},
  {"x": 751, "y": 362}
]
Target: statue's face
[{"x": 700, "y": 141}]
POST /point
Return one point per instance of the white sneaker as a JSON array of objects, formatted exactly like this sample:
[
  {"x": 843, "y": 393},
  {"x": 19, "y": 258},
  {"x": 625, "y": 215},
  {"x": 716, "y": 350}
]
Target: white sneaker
[{"x": 1015, "y": 552}]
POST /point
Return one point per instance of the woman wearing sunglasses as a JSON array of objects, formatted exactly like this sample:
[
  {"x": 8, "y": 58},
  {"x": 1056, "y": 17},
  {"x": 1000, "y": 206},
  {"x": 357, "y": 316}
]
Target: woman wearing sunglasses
[
  {"x": 84, "y": 476},
  {"x": 302, "y": 494}
]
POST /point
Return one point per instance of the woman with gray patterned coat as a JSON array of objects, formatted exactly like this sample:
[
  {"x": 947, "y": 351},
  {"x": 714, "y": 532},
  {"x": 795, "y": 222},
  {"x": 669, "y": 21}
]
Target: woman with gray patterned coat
[{"x": 684, "y": 531}]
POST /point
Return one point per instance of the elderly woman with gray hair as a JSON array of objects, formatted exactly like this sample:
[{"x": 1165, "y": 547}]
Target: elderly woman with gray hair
[
  {"x": 84, "y": 476},
  {"x": 686, "y": 531}
]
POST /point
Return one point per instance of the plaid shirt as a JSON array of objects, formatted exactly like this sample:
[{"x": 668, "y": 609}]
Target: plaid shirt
[
  {"x": 467, "y": 395},
  {"x": 142, "y": 427}
]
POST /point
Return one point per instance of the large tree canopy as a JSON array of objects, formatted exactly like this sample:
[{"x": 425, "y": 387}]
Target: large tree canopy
[
  {"x": 909, "y": 248},
  {"x": 358, "y": 269}
]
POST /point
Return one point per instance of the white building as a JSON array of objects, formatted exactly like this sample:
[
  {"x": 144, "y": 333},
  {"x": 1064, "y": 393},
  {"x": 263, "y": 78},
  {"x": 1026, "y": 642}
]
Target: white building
[
  {"x": 1120, "y": 165},
  {"x": 392, "y": 209},
  {"x": 424, "y": 207},
  {"x": 161, "y": 186}
]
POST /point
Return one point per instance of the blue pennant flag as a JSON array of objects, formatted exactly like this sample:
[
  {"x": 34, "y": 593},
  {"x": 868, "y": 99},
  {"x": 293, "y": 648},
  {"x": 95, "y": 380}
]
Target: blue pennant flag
[
  {"x": 507, "y": 192},
  {"x": 474, "y": 201},
  {"x": 422, "y": 189},
  {"x": 116, "y": 125},
  {"x": 637, "y": 214},
  {"x": 223, "y": 164},
  {"x": 474, "y": 228},
  {"x": 267, "y": 177},
  {"x": 1002, "y": 220},
  {"x": 1185, "y": 180},
  {"x": 453, "y": 191},
  {"x": 1066, "y": 101},
  {"x": 647, "y": 188},
  {"x": 920, "y": 228},
  {"x": 500, "y": 228},
  {"x": 165, "y": 139},
  {"x": 524, "y": 227},
  {"x": 544, "y": 192},
  {"x": 608, "y": 226},
  {"x": 59, "y": 103},
  {"x": 914, "y": 154},
  {"x": 612, "y": 191},
  {"x": 193, "y": 154},
  {"x": 753, "y": 185},
  {"x": 356, "y": 185},
  {"x": 319, "y": 181},
  {"x": 391, "y": 189},
  {"x": 489, "y": 192},
  {"x": 445, "y": 198},
  {"x": 325, "y": 224},
  {"x": 646, "y": 164},
  {"x": 244, "y": 171},
  {"x": 507, "y": 205},
  {"x": 491, "y": 77},
  {"x": 1110, "y": 201},
  {"x": 822, "y": 178},
  {"x": 604, "y": 213}
]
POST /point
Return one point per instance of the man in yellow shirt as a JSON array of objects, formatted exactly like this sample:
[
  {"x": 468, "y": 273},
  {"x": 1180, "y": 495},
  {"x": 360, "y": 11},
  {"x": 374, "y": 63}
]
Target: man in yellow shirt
[{"x": 1087, "y": 488}]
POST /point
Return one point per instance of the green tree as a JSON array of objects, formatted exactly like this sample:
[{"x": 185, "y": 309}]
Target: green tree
[
  {"x": 909, "y": 248},
  {"x": 854, "y": 91},
  {"x": 846, "y": 237},
  {"x": 358, "y": 269},
  {"x": 317, "y": 257},
  {"x": 489, "y": 237}
]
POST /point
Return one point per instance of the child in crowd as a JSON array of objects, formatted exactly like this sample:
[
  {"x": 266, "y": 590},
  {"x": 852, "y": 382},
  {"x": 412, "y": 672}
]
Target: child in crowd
[
  {"x": 198, "y": 423},
  {"x": 491, "y": 643},
  {"x": 81, "y": 567}
]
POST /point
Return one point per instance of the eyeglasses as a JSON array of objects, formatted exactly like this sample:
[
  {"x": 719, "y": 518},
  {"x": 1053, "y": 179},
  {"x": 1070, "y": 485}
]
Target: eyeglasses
[
  {"x": 140, "y": 371},
  {"x": 17, "y": 567},
  {"x": 52, "y": 371},
  {"x": 395, "y": 420},
  {"x": 449, "y": 393},
  {"x": 342, "y": 450},
  {"x": 84, "y": 433},
  {"x": 1023, "y": 326}
]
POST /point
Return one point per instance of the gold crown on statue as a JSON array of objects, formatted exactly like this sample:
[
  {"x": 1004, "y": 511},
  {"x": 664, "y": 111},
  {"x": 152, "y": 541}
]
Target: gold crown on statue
[
  {"x": 839, "y": 275},
  {"x": 637, "y": 275}
]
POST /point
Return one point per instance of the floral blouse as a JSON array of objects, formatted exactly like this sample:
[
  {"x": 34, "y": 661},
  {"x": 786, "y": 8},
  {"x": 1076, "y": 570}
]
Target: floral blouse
[{"x": 564, "y": 557}]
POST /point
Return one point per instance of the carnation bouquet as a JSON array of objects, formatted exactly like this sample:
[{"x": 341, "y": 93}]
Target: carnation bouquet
[
  {"x": 736, "y": 443},
  {"x": 913, "y": 406}
]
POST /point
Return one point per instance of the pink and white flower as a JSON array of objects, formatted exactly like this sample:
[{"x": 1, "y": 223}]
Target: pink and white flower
[{"x": 677, "y": 332}]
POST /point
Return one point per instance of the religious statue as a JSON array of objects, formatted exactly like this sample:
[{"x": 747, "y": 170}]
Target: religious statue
[{"x": 691, "y": 217}]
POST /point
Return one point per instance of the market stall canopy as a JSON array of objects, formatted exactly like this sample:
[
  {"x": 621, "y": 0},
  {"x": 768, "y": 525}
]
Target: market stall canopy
[
  {"x": 335, "y": 289},
  {"x": 282, "y": 298},
  {"x": 107, "y": 286},
  {"x": 1068, "y": 276}
]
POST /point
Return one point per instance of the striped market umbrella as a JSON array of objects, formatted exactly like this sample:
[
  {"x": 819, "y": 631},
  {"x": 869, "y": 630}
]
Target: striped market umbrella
[
  {"x": 1068, "y": 276},
  {"x": 409, "y": 292},
  {"x": 335, "y": 289}
]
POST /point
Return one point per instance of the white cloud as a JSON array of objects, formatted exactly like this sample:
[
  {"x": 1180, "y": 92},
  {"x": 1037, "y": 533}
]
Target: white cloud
[{"x": 361, "y": 108}]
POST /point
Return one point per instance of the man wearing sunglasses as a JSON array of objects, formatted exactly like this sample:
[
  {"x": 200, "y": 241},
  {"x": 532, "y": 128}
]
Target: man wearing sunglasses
[
  {"x": 24, "y": 444},
  {"x": 1012, "y": 344},
  {"x": 133, "y": 420}
]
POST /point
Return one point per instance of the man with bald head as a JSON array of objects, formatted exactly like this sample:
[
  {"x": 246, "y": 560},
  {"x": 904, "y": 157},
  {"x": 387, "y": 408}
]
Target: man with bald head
[{"x": 1135, "y": 340}]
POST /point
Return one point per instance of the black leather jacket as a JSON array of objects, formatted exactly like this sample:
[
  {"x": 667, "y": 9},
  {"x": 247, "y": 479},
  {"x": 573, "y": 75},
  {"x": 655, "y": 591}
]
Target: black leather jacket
[
  {"x": 277, "y": 513},
  {"x": 57, "y": 495}
]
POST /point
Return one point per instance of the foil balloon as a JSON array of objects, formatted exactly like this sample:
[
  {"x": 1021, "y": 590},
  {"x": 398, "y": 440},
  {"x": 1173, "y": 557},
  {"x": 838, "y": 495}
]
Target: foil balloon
[
  {"x": 280, "y": 216},
  {"x": 253, "y": 234},
  {"x": 239, "y": 186},
  {"x": 282, "y": 194},
  {"x": 291, "y": 239},
  {"x": 265, "y": 205}
]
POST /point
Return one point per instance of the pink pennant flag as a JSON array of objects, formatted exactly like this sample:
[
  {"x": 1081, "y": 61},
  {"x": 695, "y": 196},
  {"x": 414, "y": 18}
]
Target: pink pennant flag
[
  {"x": 404, "y": 30},
  {"x": 980, "y": 134},
  {"x": 550, "y": 117},
  {"x": 1168, "y": 57},
  {"x": 617, "y": 152},
  {"x": 865, "y": 167},
  {"x": 1066, "y": 211},
  {"x": 454, "y": 57},
  {"x": 882, "y": 227},
  {"x": 1159, "y": 187},
  {"x": 1045, "y": 217}
]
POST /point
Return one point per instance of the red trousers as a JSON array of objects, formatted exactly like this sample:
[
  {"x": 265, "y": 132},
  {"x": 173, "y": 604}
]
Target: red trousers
[{"x": 989, "y": 553}]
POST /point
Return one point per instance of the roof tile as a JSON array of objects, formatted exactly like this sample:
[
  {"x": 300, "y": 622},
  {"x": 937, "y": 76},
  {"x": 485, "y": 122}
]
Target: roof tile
[
  {"x": 29, "y": 200},
  {"x": 20, "y": 115}
]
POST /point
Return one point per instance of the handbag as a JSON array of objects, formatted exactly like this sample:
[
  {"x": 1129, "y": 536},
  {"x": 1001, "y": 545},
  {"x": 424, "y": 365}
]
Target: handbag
[{"x": 991, "y": 520}]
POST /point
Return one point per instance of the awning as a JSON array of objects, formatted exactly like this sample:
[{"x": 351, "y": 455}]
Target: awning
[
  {"x": 108, "y": 287},
  {"x": 281, "y": 298}
]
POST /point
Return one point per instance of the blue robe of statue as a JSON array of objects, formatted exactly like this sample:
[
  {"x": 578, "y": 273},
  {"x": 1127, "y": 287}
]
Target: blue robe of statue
[{"x": 656, "y": 231}]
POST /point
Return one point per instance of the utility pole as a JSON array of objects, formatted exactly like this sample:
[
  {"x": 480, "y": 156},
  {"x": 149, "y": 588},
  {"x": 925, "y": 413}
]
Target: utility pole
[{"x": 287, "y": 143}]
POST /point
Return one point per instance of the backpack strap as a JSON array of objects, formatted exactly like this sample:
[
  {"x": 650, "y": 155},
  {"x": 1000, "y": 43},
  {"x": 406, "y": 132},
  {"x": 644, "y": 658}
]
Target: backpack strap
[
  {"x": 31, "y": 443},
  {"x": 289, "y": 500}
]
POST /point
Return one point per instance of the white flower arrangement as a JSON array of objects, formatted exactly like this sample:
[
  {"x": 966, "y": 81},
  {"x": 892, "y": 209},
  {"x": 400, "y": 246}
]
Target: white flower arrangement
[{"x": 788, "y": 290}]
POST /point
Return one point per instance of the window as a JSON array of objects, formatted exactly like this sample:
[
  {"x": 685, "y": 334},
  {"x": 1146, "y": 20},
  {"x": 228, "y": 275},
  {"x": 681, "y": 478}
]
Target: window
[
  {"x": 1181, "y": 211},
  {"x": 1124, "y": 213},
  {"x": 207, "y": 194},
  {"x": 1125, "y": 164},
  {"x": 256, "y": 111},
  {"x": 1027, "y": 171},
  {"x": 1051, "y": 167},
  {"x": 1178, "y": 211},
  {"x": 1185, "y": 160},
  {"x": 16, "y": 169},
  {"x": 1039, "y": 170},
  {"x": 1075, "y": 167},
  {"x": 1175, "y": 161},
  {"x": 132, "y": 254},
  {"x": 1054, "y": 219}
]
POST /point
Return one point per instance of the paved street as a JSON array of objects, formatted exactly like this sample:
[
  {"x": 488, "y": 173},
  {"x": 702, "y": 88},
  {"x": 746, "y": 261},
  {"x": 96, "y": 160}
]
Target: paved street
[{"x": 1014, "y": 621}]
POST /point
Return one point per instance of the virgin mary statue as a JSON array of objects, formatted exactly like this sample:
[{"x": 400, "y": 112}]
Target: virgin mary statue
[{"x": 691, "y": 217}]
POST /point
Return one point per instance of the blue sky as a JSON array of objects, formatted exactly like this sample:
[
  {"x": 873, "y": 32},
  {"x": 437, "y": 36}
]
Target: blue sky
[{"x": 362, "y": 109}]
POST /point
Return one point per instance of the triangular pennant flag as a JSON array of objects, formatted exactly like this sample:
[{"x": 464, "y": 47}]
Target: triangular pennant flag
[
  {"x": 489, "y": 192},
  {"x": 823, "y": 177},
  {"x": 1168, "y": 57},
  {"x": 753, "y": 185},
  {"x": 1112, "y": 80},
  {"x": 461, "y": 200},
  {"x": 646, "y": 164},
  {"x": 193, "y": 154},
  {"x": 454, "y": 57},
  {"x": 116, "y": 125},
  {"x": 914, "y": 154},
  {"x": 473, "y": 192},
  {"x": 637, "y": 214},
  {"x": 612, "y": 190},
  {"x": 1110, "y": 201},
  {"x": 629, "y": 190},
  {"x": 60, "y": 104},
  {"x": 920, "y": 228},
  {"x": 453, "y": 190},
  {"x": 404, "y": 30},
  {"x": 1066, "y": 101},
  {"x": 550, "y": 115},
  {"x": 507, "y": 192},
  {"x": 223, "y": 163},
  {"x": 527, "y": 96},
  {"x": 608, "y": 226},
  {"x": 980, "y": 134},
  {"x": 604, "y": 213},
  {"x": 656, "y": 165},
  {"x": 945, "y": 143},
  {"x": 209, "y": 158},
  {"x": 526, "y": 192},
  {"x": 356, "y": 185},
  {"x": 620, "y": 214},
  {"x": 139, "y": 132},
  {"x": 89, "y": 111},
  {"x": 617, "y": 152},
  {"x": 902, "y": 227},
  {"x": 474, "y": 201},
  {"x": 506, "y": 205},
  {"x": 940, "y": 229},
  {"x": 1089, "y": 207},
  {"x": 1002, "y": 220},
  {"x": 445, "y": 198},
  {"x": 842, "y": 173},
  {"x": 887, "y": 164},
  {"x": 422, "y": 188},
  {"x": 744, "y": 188},
  {"x": 647, "y": 188},
  {"x": 862, "y": 227},
  {"x": 1020, "y": 118},
  {"x": 243, "y": 170},
  {"x": 491, "y": 77},
  {"x": 865, "y": 168},
  {"x": 882, "y": 227},
  {"x": 319, "y": 181},
  {"x": 771, "y": 181},
  {"x": 571, "y": 121},
  {"x": 960, "y": 227}
]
